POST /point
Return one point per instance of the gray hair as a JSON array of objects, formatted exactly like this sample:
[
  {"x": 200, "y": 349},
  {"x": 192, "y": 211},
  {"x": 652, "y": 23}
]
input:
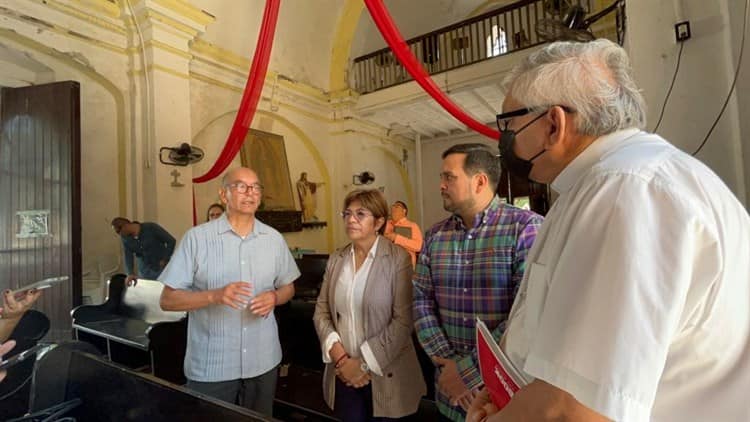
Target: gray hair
[{"x": 593, "y": 78}]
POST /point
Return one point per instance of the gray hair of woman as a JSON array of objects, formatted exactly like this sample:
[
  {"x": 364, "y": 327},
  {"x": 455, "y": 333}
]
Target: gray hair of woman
[{"x": 593, "y": 78}]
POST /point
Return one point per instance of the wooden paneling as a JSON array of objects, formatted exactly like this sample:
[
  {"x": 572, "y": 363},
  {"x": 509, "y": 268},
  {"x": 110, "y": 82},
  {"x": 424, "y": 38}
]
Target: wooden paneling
[{"x": 40, "y": 173}]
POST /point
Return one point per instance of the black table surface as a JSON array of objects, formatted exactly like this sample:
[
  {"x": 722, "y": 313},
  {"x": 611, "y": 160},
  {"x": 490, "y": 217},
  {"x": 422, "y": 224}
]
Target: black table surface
[
  {"x": 112, "y": 393},
  {"x": 126, "y": 330}
]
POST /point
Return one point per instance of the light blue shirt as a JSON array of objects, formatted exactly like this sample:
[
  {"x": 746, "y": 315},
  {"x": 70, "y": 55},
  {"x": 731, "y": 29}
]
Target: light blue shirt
[{"x": 225, "y": 343}]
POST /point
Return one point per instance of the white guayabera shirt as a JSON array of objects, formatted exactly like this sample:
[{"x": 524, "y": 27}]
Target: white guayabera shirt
[
  {"x": 225, "y": 343},
  {"x": 636, "y": 297}
]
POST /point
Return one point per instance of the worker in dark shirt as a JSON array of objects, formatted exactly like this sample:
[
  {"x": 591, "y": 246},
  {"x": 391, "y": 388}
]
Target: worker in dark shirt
[{"x": 149, "y": 242}]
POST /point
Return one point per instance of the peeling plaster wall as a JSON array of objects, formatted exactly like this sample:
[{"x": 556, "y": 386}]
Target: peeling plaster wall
[
  {"x": 315, "y": 143},
  {"x": 300, "y": 27},
  {"x": 213, "y": 116},
  {"x": 51, "y": 56},
  {"x": 320, "y": 138}
]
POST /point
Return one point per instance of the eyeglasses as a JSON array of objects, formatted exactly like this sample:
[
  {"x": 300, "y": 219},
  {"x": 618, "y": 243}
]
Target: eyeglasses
[
  {"x": 241, "y": 187},
  {"x": 504, "y": 119},
  {"x": 359, "y": 215}
]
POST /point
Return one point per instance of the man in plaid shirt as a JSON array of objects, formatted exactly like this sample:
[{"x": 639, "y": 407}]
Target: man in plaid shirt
[{"x": 470, "y": 267}]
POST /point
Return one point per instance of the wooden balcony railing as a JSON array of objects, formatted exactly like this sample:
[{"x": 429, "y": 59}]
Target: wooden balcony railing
[{"x": 500, "y": 31}]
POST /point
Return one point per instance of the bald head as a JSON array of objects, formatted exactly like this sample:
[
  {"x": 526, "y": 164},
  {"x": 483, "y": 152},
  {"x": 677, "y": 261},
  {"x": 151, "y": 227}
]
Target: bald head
[{"x": 237, "y": 174}]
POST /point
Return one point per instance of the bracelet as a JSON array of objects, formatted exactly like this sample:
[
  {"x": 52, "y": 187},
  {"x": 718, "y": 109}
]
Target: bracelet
[{"x": 339, "y": 360}]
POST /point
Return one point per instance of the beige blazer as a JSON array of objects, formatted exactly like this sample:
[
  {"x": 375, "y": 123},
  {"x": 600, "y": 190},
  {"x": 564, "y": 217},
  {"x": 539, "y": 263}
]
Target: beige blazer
[{"x": 388, "y": 321}]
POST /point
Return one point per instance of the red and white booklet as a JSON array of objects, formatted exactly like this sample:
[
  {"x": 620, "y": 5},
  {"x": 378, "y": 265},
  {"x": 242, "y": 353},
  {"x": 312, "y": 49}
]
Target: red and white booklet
[{"x": 500, "y": 377}]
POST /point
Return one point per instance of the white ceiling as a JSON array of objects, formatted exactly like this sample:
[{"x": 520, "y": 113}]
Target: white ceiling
[{"x": 426, "y": 117}]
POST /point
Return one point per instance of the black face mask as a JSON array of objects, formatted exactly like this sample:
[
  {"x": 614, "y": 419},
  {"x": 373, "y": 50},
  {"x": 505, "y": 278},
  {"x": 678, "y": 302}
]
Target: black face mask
[{"x": 516, "y": 165}]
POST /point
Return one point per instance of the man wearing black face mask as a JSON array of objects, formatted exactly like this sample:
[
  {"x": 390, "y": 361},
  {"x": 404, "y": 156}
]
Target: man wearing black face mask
[
  {"x": 641, "y": 266},
  {"x": 515, "y": 164}
]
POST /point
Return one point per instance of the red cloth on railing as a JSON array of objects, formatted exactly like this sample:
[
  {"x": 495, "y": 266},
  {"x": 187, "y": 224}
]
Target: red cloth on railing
[
  {"x": 400, "y": 49},
  {"x": 251, "y": 95}
]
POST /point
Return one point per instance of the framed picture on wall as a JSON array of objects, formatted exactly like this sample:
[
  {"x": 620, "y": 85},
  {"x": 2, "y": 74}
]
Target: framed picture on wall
[{"x": 266, "y": 154}]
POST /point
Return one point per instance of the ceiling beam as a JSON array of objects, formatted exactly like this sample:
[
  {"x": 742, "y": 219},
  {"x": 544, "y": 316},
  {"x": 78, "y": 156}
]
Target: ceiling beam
[
  {"x": 484, "y": 102},
  {"x": 418, "y": 128},
  {"x": 454, "y": 123},
  {"x": 446, "y": 117}
]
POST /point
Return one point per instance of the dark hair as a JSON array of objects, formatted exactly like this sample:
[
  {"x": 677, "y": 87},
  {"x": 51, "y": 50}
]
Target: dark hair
[
  {"x": 402, "y": 205},
  {"x": 214, "y": 205},
  {"x": 479, "y": 157},
  {"x": 372, "y": 200},
  {"x": 120, "y": 221}
]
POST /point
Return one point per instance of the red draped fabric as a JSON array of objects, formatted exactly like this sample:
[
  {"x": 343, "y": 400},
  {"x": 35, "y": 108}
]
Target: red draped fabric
[
  {"x": 251, "y": 95},
  {"x": 195, "y": 215},
  {"x": 400, "y": 49}
]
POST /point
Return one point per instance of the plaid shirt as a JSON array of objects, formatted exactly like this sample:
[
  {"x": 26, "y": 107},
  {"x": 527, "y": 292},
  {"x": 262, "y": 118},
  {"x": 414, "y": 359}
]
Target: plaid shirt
[{"x": 468, "y": 273}]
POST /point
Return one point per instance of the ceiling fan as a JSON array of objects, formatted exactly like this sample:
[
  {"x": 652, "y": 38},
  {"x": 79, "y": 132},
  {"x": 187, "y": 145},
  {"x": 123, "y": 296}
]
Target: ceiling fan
[
  {"x": 364, "y": 178},
  {"x": 181, "y": 156},
  {"x": 570, "y": 23}
]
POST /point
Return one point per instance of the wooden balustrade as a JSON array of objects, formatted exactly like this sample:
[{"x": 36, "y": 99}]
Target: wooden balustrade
[{"x": 500, "y": 31}]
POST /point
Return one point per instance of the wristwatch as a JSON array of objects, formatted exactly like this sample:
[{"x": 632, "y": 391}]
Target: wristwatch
[{"x": 364, "y": 367}]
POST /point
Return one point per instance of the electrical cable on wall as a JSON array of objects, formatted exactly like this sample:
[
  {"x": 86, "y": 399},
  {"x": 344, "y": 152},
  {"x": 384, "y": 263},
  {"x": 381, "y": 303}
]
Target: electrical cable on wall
[
  {"x": 147, "y": 88},
  {"x": 734, "y": 82},
  {"x": 671, "y": 85}
]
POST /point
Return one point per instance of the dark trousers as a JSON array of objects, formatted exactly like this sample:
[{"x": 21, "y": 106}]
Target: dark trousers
[
  {"x": 355, "y": 404},
  {"x": 255, "y": 393}
]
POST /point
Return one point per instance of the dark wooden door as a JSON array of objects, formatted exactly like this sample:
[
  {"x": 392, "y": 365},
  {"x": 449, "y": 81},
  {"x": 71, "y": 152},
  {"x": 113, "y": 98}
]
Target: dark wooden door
[{"x": 40, "y": 215}]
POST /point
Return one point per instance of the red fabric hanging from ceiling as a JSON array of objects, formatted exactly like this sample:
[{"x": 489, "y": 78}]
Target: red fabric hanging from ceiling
[
  {"x": 195, "y": 215},
  {"x": 250, "y": 97},
  {"x": 400, "y": 49}
]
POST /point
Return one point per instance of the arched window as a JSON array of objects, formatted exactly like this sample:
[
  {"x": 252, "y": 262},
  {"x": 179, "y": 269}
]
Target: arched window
[{"x": 497, "y": 44}]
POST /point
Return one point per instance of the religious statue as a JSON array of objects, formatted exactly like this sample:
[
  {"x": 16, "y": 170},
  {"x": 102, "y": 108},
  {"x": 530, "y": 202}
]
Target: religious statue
[{"x": 306, "y": 191}]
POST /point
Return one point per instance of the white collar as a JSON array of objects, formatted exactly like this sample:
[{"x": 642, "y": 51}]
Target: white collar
[{"x": 588, "y": 157}]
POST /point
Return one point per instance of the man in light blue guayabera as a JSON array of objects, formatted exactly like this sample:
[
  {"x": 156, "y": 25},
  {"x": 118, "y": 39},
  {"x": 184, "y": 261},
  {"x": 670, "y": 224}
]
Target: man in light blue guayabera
[{"x": 229, "y": 274}]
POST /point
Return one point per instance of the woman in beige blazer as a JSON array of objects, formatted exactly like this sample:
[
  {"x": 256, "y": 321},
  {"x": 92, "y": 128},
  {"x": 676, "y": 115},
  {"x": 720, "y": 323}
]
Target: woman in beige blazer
[{"x": 364, "y": 320}]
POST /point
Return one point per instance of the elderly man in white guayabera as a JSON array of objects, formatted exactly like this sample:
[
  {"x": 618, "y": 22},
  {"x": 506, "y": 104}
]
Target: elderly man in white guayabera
[{"x": 635, "y": 304}]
